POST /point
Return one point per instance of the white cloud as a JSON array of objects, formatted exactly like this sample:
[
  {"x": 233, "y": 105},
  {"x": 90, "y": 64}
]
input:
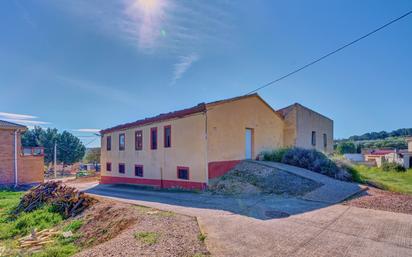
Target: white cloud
[
  {"x": 27, "y": 122},
  {"x": 183, "y": 65},
  {"x": 23, "y": 119},
  {"x": 7, "y": 115},
  {"x": 87, "y": 130}
]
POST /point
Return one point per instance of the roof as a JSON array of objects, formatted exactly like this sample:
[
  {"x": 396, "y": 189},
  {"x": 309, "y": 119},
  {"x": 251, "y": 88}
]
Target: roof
[
  {"x": 161, "y": 117},
  {"x": 283, "y": 111},
  {"x": 381, "y": 152},
  {"x": 10, "y": 125},
  {"x": 202, "y": 107}
]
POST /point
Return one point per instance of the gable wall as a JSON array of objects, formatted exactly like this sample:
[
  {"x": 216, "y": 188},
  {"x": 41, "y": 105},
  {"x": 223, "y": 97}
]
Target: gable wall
[{"x": 226, "y": 125}]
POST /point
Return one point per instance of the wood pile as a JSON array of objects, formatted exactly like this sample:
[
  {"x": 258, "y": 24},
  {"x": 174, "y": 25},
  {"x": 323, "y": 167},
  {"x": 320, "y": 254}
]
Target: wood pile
[
  {"x": 68, "y": 201},
  {"x": 36, "y": 240}
]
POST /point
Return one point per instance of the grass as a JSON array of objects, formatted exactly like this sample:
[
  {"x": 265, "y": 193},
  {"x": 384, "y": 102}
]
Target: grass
[
  {"x": 73, "y": 226},
  {"x": 149, "y": 238},
  {"x": 201, "y": 237},
  {"x": 12, "y": 227},
  {"x": 390, "y": 180}
]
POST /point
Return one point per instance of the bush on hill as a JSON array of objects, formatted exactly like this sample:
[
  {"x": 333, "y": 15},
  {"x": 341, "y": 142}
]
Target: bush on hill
[{"x": 308, "y": 159}]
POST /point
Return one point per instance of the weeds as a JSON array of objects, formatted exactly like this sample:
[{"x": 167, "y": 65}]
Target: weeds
[
  {"x": 73, "y": 226},
  {"x": 201, "y": 237},
  {"x": 149, "y": 238}
]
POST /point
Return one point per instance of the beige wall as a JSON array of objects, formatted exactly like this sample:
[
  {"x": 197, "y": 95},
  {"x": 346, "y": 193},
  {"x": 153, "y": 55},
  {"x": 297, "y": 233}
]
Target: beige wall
[
  {"x": 299, "y": 124},
  {"x": 409, "y": 145},
  {"x": 289, "y": 132},
  {"x": 188, "y": 149},
  {"x": 227, "y": 122}
]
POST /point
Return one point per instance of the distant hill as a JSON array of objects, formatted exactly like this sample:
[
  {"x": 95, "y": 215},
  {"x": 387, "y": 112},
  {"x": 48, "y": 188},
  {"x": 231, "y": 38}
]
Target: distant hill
[
  {"x": 403, "y": 132},
  {"x": 378, "y": 140}
]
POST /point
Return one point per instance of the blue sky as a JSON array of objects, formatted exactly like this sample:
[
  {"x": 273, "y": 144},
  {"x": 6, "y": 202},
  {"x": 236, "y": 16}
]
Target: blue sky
[{"x": 80, "y": 65}]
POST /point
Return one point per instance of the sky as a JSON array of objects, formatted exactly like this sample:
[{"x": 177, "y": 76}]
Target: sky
[{"x": 87, "y": 65}]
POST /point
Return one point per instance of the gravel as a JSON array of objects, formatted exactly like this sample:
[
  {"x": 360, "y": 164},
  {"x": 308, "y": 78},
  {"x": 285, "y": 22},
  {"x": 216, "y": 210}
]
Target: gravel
[
  {"x": 177, "y": 235},
  {"x": 382, "y": 200}
]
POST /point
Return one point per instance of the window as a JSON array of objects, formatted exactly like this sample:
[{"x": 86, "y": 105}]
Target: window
[
  {"x": 153, "y": 138},
  {"x": 168, "y": 136},
  {"x": 183, "y": 172},
  {"x": 122, "y": 168},
  {"x": 325, "y": 140},
  {"x": 109, "y": 143},
  {"x": 138, "y": 170},
  {"x": 313, "y": 138},
  {"x": 122, "y": 142},
  {"x": 108, "y": 166},
  {"x": 139, "y": 140}
]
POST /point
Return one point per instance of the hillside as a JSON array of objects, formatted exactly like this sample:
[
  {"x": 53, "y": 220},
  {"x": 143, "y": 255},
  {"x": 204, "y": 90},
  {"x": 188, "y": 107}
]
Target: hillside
[
  {"x": 403, "y": 132},
  {"x": 377, "y": 140}
]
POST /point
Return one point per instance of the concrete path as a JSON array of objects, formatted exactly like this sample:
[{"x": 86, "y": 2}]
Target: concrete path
[
  {"x": 333, "y": 191},
  {"x": 242, "y": 226}
]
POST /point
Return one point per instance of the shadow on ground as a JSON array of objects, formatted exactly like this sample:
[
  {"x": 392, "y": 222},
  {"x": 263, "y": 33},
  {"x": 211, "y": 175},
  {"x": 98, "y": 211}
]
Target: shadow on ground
[{"x": 258, "y": 207}]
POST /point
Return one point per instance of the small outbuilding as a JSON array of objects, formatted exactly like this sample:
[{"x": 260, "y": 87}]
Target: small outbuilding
[{"x": 18, "y": 166}]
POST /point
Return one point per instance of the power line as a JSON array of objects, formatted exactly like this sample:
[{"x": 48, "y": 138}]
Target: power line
[{"x": 331, "y": 53}]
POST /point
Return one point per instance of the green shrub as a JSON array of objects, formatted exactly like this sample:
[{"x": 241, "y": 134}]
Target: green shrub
[
  {"x": 346, "y": 147},
  {"x": 312, "y": 160},
  {"x": 275, "y": 155},
  {"x": 391, "y": 166}
]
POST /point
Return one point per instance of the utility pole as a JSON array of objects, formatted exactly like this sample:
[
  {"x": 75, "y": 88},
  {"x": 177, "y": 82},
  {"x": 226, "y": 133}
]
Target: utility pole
[{"x": 55, "y": 160}]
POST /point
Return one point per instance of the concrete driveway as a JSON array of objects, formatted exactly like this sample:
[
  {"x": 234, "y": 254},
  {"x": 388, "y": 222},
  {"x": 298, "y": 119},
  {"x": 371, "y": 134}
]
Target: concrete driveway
[{"x": 278, "y": 226}]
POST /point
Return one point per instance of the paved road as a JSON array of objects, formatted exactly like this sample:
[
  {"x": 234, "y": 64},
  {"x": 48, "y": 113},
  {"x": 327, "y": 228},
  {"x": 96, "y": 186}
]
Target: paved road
[{"x": 244, "y": 227}]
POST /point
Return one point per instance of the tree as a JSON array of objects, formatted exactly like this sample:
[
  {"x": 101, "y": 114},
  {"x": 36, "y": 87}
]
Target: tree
[
  {"x": 346, "y": 147},
  {"x": 69, "y": 148},
  {"x": 92, "y": 155}
]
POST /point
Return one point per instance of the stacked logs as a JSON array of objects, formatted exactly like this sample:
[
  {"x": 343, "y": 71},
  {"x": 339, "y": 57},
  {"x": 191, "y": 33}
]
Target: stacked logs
[
  {"x": 68, "y": 201},
  {"x": 36, "y": 240}
]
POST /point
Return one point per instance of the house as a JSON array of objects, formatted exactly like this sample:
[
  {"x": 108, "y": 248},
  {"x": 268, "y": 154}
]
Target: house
[
  {"x": 18, "y": 166},
  {"x": 188, "y": 147},
  {"x": 402, "y": 157},
  {"x": 307, "y": 129}
]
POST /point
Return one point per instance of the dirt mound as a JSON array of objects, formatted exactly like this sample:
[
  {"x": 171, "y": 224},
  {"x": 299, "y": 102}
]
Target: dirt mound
[
  {"x": 252, "y": 178},
  {"x": 140, "y": 231},
  {"x": 104, "y": 221}
]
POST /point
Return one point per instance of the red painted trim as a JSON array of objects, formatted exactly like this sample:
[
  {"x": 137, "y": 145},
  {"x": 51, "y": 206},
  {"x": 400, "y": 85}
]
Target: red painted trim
[
  {"x": 118, "y": 168},
  {"x": 136, "y": 142},
  {"x": 217, "y": 169},
  {"x": 124, "y": 146},
  {"x": 183, "y": 167},
  {"x": 154, "y": 129},
  {"x": 164, "y": 136},
  {"x": 138, "y": 165},
  {"x": 153, "y": 182},
  {"x": 109, "y": 163}
]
